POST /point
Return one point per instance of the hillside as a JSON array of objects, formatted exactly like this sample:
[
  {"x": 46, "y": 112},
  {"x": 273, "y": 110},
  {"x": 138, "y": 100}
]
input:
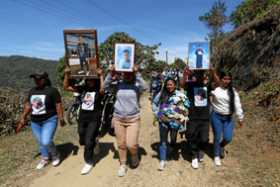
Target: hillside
[
  {"x": 252, "y": 53},
  {"x": 15, "y": 70}
]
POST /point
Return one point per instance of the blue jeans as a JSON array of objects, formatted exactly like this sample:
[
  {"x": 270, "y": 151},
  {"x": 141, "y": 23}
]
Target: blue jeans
[
  {"x": 163, "y": 135},
  {"x": 44, "y": 133},
  {"x": 163, "y": 131},
  {"x": 221, "y": 125}
]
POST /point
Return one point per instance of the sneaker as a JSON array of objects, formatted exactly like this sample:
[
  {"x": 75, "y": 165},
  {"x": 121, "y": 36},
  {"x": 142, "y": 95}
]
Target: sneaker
[
  {"x": 222, "y": 154},
  {"x": 162, "y": 165},
  {"x": 42, "y": 164},
  {"x": 56, "y": 162},
  {"x": 195, "y": 163},
  {"x": 86, "y": 169},
  {"x": 217, "y": 161},
  {"x": 134, "y": 161},
  {"x": 81, "y": 72},
  {"x": 200, "y": 156},
  {"x": 122, "y": 170},
  {"x": 96, "y": 149}
]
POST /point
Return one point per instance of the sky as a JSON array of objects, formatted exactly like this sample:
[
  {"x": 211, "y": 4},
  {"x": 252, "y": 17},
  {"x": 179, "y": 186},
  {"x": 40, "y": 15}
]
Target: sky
[{"x": 35, "y": 27}]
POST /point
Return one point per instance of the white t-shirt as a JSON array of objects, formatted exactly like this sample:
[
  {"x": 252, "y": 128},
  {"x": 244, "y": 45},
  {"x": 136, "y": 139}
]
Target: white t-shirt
[{"x": 221, "y": 102}]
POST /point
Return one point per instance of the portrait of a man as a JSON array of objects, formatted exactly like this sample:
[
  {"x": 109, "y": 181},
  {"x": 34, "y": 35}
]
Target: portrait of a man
[{"x": 124, "y": 57}]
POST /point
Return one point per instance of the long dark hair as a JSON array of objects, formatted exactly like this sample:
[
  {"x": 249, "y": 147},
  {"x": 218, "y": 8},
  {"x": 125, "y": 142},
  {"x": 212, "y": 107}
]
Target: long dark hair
[
  {"x": 164, "y": 95},
  {"x": 230, "y": 91}
]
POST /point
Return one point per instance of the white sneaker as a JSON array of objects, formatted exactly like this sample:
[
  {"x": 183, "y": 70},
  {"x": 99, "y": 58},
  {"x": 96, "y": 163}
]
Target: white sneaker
[
  {"x": 217, "y": 161},
  {"x": 122, "y": 170},
  {"x": 86, "y": 169},
  {"x": 195, "y": 163},
  {"x": 81, "y": 72},
  {"x": 42, "y": 164},
  {"x": 56, "y": 162},
  {"x": 162, "y": 165}
]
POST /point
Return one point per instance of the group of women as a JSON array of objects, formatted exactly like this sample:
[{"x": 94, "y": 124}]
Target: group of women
[
  {"x": 208, "y": 99},
  {"x": 175, "y": 111}
]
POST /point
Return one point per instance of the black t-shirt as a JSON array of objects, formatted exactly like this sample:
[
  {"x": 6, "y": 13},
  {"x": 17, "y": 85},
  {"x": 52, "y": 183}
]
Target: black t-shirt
[
  {"x": 198, "y": 94},
  {"x": 91, "y": 103},
  {"x": 43, "y": 103}
]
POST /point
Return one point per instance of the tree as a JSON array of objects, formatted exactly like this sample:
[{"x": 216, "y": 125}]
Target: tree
[
  {"x": 178, "y": 64},
  {"x": 215, "y": 19},
  {"x": 60, "y": 70},
  {"x": 249, "y": 10},
  {"x": 143, "y": 53}
]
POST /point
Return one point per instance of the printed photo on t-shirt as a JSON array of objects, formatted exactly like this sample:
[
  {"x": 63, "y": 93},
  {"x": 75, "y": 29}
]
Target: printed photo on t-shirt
[
  {"x": 88, "y": 101},
  {"x": 200, "y": 97},
  {"x": 38, "y": 104}
]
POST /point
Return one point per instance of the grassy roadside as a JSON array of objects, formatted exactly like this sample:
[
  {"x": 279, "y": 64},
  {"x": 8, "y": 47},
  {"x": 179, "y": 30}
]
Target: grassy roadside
[
  {"x": 19, "y": 155},
  {"x": 254, "y": 144}
]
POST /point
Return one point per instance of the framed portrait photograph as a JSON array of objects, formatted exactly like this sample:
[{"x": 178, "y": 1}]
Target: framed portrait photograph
[
  {"x": 124, "y": 57},
  {"x": 199, "y": 55},
  {"x": 81, "y": 53}
]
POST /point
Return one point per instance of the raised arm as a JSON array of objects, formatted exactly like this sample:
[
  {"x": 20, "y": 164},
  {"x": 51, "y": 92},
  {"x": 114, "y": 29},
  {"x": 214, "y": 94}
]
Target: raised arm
[
  {"x": 101, "y": 78},
  {"x": 214, "y": 75},
  {"x": 66, "y": 83},
  {"x": 186, "y": 76}
]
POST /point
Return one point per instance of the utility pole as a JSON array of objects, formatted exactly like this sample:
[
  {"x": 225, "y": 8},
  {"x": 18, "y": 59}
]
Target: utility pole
[{"x": 166, "y": 56}]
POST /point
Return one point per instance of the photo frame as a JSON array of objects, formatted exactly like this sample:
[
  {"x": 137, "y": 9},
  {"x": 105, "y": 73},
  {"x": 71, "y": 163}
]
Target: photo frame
[
  {"x": 199, "y": 55},
  {"x": 81, "y": 52},
  {"x": 124, "y": 57}
]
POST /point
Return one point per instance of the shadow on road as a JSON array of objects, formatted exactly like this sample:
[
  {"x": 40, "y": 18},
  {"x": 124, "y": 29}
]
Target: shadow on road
[{"x": 66, "y": 149}]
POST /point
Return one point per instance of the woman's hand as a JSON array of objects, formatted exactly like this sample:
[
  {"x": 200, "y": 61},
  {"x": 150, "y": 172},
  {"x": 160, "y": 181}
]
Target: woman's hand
[
  {"x": 62, "y": 122},
  {"x": 240, "y": 123},
  {"x": 21, "y": 124},
  {"x": 135, "y": 68},
  {"x": 164, "y": 118}
]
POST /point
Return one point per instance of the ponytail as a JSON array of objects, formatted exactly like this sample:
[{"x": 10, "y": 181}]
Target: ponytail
[{"x": 231, "y": 99}]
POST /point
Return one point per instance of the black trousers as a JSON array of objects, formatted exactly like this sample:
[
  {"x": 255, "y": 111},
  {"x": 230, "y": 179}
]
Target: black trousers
[
  {"x": 197, "y": 135},
  {"x": 88, "y": 132}
]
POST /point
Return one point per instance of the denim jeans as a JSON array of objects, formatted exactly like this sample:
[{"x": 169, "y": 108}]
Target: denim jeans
[
  {"x": 163, "y": 131},
  {"x": 44, "y": 133},
  {"x": 222, "y": 126},
  {"x": 163, "y": 134}
]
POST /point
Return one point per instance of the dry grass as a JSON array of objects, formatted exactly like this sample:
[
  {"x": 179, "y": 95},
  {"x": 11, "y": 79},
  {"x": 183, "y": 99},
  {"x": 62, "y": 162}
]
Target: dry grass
[{"x": 19, "y": 155}]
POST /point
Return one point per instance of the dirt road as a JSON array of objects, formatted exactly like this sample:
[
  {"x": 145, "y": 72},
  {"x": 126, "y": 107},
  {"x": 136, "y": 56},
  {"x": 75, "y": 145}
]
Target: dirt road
[{"x": 178, "y": 172}]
